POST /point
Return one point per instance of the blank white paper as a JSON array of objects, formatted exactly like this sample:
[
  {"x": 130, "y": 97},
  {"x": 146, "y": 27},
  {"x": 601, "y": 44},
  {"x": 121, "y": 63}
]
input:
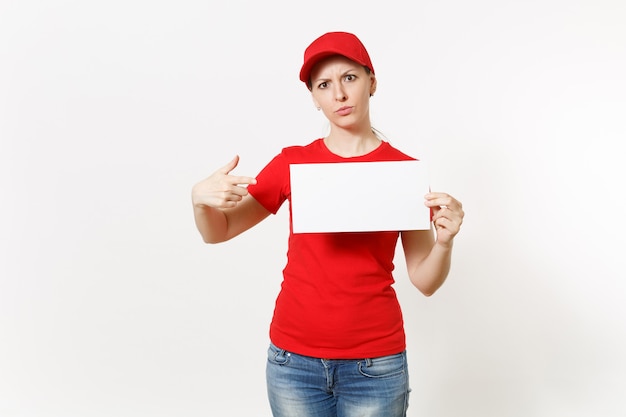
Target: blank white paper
[{"x": 359, "y": 196}]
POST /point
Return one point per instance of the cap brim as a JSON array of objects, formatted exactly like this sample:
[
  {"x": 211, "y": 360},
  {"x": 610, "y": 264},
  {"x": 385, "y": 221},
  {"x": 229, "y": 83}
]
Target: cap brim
[{"x": 305, "y": 71}]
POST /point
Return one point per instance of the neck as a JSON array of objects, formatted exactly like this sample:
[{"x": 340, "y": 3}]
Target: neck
[{"x": 349, "y": 144}]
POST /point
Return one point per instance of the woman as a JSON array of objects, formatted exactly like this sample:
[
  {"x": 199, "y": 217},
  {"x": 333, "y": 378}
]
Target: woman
[{"x": 337, "y": 338}]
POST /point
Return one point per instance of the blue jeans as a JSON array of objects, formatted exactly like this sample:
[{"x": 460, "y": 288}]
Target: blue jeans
[{"x": 302, "y": 386}]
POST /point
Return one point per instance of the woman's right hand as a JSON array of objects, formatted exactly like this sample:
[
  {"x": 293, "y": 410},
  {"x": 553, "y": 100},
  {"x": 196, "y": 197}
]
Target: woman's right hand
[{"x": 220, "y": 189}]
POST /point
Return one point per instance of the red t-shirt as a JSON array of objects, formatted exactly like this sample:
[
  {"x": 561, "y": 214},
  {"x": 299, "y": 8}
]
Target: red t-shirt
[{"x": 336, "y": 299}]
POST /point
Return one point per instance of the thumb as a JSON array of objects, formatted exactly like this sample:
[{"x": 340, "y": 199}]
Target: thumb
[{"x": 230, "y": 166}]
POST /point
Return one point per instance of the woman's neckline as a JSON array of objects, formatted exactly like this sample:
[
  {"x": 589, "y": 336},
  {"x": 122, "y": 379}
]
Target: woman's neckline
[{"x": 369, "y": 152}]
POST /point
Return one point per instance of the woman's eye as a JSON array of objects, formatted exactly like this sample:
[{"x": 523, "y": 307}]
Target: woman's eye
[
  {"x": 350, "y": 77},
  {"x": 323, "y": 85}
]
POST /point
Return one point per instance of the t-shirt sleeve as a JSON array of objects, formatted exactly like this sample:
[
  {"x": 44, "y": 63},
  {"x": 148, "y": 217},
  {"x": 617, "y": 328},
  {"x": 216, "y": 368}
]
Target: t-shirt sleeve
[{"x": 272, "y": 184}]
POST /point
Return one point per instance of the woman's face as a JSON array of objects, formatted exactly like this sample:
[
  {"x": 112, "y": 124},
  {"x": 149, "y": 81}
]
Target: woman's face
[{"x": 342, "y": 89}]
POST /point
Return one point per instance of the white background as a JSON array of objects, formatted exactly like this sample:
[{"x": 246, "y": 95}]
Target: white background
[{"x": 111, "y": 305}]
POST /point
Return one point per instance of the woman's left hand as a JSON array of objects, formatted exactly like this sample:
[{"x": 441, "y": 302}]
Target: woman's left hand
[{"x": 447, "y": 215}]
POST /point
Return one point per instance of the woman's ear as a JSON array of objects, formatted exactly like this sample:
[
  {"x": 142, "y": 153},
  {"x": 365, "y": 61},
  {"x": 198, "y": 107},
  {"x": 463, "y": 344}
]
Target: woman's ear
[
  {"x": 373, "y": 84},
  {"x": 317, "y": 105}
]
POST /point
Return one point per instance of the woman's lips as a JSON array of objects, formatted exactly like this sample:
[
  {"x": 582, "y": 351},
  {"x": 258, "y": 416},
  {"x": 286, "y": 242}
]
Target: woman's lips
[{"x": 344, "y": 111}]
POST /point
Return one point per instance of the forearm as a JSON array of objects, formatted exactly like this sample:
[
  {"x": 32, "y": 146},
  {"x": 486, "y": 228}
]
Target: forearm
[
  {"x": 429, "y": 274},
  {"x": 211, "y": 223}
]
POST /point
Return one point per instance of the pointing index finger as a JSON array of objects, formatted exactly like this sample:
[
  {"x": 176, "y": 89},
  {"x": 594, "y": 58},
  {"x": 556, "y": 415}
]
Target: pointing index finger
[{"x": 242, "y": 180}]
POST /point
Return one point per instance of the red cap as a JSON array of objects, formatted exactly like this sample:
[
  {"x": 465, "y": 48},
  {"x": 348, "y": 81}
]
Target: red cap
[{"x": 334, "y": 43}]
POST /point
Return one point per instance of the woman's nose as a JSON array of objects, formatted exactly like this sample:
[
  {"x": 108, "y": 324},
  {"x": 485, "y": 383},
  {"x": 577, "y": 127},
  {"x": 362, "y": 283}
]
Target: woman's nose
[{"x": 340, "y": 94}]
